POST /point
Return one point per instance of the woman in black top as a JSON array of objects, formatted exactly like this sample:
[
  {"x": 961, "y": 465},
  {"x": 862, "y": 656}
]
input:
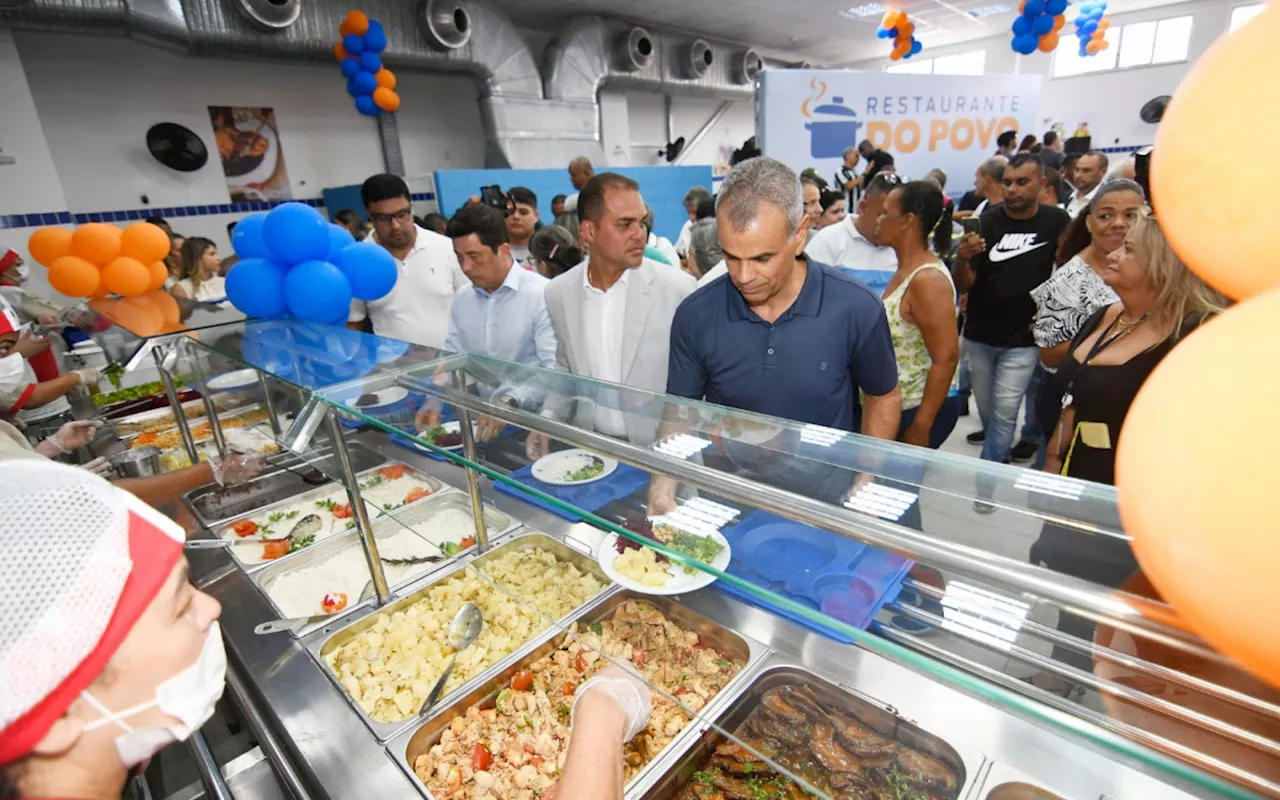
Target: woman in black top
[{"x": 1110, "y": 358}]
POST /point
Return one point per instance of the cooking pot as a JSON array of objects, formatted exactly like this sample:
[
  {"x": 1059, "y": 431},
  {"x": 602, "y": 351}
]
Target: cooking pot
[{"x": 828, "y": 139}]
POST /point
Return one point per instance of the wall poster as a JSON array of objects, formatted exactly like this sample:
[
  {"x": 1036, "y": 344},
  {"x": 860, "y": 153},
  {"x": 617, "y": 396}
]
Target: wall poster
[{"x": 252, "y": 158}]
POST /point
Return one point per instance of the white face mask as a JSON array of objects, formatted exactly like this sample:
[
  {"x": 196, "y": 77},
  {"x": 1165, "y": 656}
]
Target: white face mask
[
  {"x": 190, "y": 696},
  {"x": 21, "y": 273},
  {"x": 11, "y": 373}
]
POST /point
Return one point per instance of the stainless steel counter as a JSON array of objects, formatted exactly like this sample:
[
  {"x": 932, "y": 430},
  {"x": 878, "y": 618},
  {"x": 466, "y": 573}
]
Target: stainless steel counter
[{"x": 338, "y": 757}]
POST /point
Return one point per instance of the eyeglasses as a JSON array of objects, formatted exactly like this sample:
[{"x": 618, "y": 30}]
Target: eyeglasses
[{"x": 398, "y": 216}]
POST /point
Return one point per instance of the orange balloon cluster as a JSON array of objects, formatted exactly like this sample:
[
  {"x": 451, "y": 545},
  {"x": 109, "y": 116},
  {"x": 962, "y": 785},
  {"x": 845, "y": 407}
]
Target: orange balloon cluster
[
  {"x": 903, "y": 31},
  {"x": 97, "y": 259},
  {"x": 358, "y": 24},
  {"x": 1097, "y": 41},
  {"x": 1195, "y": 467}
]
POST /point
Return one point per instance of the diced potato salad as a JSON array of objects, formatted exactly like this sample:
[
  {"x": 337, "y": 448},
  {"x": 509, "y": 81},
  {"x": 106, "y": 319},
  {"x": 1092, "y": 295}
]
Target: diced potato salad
[{"x": 390, "y": 668}]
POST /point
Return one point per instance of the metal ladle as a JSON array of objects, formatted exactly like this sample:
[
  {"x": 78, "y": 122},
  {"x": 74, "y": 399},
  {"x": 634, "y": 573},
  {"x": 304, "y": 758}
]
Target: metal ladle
[
  {"x": 298, "y": 623},
  {"x": 463, "y": 631}
]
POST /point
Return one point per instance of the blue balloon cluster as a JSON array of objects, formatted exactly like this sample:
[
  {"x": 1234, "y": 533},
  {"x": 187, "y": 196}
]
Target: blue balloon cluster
[
  {"x": 362, "y": 64},
  {"x": 314, "y": 355},
  {"x": 295, "y": 263},
  {"x": 1086, "y": 23},
  {"x": 1034, "y": 23}
]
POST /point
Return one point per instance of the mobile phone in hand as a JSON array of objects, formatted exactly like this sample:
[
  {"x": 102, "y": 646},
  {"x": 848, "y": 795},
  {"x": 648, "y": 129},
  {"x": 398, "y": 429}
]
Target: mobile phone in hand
[{"x": 972, "y": 225}]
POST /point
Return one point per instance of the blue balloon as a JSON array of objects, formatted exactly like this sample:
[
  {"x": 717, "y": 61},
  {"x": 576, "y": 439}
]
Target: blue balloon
[
  {"x": 339, "y": 237},
  {"x": 883, "y": 33},
  {"x": 1021, "y": 26},
  {"x": 366, "y": 106},
  {"x": 317, "y": 291},
  {"x": 256, "y": 287},
  {"x": 1033, "y": 8},
  {"x": 354, "y": 45},
  {"x": 1055, "y": 8},
  {"x": 375, "y": 39},
  {"x": 893, "y": 33},
  {"x": 1089, "y": 27},
  {"x": 1084, "y": 50},
  {"x": 916, "y": 47},
  {"x": 1025, "y": 44},
  {"x": 1042, "y": 25},
  {"x": 296, "y": 232},
  {"x": 370, "y": 62},
  {"x": 362, "y": 83},
  {"x": 246, "y": 237},
  {"x": 349, "y": 67},
  {"x": 370, "y": 269}
]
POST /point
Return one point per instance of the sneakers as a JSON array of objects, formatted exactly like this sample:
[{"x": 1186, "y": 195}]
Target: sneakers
[
  {"x": 983, "y": 507},
  {"x": 977, "y": 437},
  {"x": 1023, "y": 451}
]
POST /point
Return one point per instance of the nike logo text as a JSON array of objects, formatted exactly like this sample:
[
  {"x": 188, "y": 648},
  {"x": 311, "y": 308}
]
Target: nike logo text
[{"x": 1012, "y": 245}]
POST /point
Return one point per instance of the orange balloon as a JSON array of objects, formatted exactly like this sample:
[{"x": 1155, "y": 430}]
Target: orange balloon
[
  {"x": 126, "y": 276},
  {"x": 1105, "y": 44},
  {"x": 344, "y": 29},
  {"x": 1103, "y": 24},
  {"x": 1022, "y": 6},
  {"x": 144, "y": 242},
  {"x": 166, "y": 305},
  {"x": 386, "y": 78},
  {"x": 1098, "y": 35},
  {"x": 340, "y": 52},
  {"x": 905, "y": 30},
  {"x": 1211, "y": 552},
  {"x": 75, "y": 277},
  {"x": 1048, "y": 42},
  {"x": 102, "y": 291},
  {"x": 891, "y": 18},
  {"x": 386, "y": 99},
  {"x": 96, "y": 242},
  {"x": 159, "y": 274},
  {"x": 47, "y": 245},
  {"x": 1059, "y": 21},
  {"x": 139, "y": 316},
  {"x": 357, "y": 22},
  {"x": 1093, "y": 48}
]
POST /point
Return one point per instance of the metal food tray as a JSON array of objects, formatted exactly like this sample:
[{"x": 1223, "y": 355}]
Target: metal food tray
[
  {"x": 421, "y": 512},
  {"x": 1006, "y": 783},
  {"x": 321, "y": 646},
  {"x": 153, "y": 414},
  {"x": 666, "y": 780},
  {"x": 374, "y": 516},
  {"x": 213, "y": 505},
  {"x": 409, "y": 744},
  {"x": 223, "y": 416}
]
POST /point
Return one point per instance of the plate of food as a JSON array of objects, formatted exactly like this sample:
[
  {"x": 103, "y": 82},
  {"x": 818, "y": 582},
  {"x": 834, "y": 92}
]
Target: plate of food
[
  {"x": 644, "y": 569},
  {"x": 573, "y": 468},
  {"x": 382, "y": 398},
  {"x": 447, "y": 435},
  {"x": 237, "y": 379}
]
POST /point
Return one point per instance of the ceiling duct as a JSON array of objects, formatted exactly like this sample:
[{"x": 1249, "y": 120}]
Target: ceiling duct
[
  {"x": 445, "y": 24},
  {"x": 634, "y": 50},
  {"x": 269, "y": 16},
  {"x": 746, "y": 66},
  {"x": 696, "y": 58}
]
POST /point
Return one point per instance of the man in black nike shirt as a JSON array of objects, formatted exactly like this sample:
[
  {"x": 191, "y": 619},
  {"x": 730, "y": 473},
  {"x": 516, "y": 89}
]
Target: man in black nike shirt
[{"x": 999, "y": 268}]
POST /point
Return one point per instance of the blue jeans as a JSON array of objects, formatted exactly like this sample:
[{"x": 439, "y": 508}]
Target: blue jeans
[
  {"x": 1035, "y": 428},
  {"x": 999, "y": 377}
]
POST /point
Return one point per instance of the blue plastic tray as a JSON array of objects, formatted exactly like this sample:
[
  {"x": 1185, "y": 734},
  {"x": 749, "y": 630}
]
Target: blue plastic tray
[
  {"x": 841, "y": 578},
  {"x": 592, "y": 497}
]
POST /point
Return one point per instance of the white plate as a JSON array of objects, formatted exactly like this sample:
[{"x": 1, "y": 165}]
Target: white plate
[
  {"x": 385, "y": 397},
  {"x": 452, "y": 427},
  {"x": 679, "y": 583},
  {"x": 553, "y": 468},
  {"x": 233, "y": 380}
]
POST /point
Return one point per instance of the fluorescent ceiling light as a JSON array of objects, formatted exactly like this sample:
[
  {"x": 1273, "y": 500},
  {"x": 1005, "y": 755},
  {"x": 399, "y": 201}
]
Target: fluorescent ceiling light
[
  {"x": 987, "y": 11},
  {"x": 864, "y": 10}
]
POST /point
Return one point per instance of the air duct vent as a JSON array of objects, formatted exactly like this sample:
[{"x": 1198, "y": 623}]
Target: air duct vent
[
  {"x": 269, "y": 16},
  {"x": 746, "y": 66},
  {"x": 697, "y": 58},
  {"x": 446, "y": 24},
  {"x": 634, "y": 50},
  {"x": 8, "y": 4}
]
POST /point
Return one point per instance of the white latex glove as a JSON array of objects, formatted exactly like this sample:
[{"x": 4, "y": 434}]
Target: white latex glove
[
  {"x": 88, "y": 375},
  {"x": 626, "y": 690},
  {"x": 236, "y": 468},
  {"x": 75, "y": 434},
  {"x": 99, "y": 466}
]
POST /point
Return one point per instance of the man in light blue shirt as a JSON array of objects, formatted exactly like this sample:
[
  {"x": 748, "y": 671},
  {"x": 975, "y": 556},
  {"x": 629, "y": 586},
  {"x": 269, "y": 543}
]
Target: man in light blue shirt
[{"x": 502, "y": 313}]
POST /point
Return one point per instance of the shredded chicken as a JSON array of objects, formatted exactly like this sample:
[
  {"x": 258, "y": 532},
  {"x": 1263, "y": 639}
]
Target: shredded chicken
[{"x": 526, "y": 733}]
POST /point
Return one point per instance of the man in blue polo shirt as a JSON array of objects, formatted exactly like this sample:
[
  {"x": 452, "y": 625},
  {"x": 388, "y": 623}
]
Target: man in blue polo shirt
[{"x": 782, "y": 335}]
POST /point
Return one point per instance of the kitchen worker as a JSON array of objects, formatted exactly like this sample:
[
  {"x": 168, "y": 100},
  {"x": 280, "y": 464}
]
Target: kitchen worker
[
  {"x": 108, "y": 652},
  {"x": 21, "y": 390},
  {"x": 608, "y": 711}
]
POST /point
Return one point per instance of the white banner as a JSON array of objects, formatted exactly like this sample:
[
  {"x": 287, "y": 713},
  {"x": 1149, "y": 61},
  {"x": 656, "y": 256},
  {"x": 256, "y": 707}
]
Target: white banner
[{"x": 808, "y": 117}]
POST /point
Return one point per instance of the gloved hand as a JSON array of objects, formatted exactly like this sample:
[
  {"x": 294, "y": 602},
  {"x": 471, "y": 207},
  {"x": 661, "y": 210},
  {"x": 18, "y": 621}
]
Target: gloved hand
[
  {"x": 75, "y": 434},
  {"x": 236, "y": 468},
  {"x": 88, "y": 375},
  {"x": 99, "y": 466},
  {"x": 627, "y": 691}
]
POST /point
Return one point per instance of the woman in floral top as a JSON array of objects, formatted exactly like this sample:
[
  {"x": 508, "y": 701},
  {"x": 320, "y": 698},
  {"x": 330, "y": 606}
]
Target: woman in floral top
[{"x": 920, "y": 302}]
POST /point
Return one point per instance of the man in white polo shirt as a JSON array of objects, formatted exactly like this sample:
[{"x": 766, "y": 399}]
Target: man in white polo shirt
[
  {"x": 851, "y": 243},
  {"x": 417, "y": 309}
]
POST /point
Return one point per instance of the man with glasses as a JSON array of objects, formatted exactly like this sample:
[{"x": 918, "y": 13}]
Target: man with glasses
[
  {"x": 417, "y": 309},
  {"x": 851, "y": 243}
]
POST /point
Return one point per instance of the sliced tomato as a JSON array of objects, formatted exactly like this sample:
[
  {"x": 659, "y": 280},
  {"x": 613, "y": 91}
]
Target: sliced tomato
[
  {"x": 146, "y": 438},
  {"x": 342, "y": 510},
  {"x": 393, "y": 471},
  {"x": 245, "y": 527},
  {"x": 467, "y": 542},
  {"x": 274, "y": 550},
  {"x": 334, "y": 602},
  {"x": 481, "y": 758},
  {"x": 416, "y": 494},
  {"x": 522, "y": 681},
  {"x": 580, "y": 663},
  {"x": 568, "y": 689}
]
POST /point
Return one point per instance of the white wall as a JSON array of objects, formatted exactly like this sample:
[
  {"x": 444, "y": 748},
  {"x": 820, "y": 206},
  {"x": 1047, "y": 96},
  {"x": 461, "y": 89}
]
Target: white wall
[
  {"x": 1108, "y": 101},
  {"x": 30, "y": 185},
  {"x": 647, "y": 121}
]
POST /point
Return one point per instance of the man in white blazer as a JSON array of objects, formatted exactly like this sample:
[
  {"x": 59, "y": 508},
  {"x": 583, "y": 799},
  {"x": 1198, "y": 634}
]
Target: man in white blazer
[{"x": 612, "y": 315}]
